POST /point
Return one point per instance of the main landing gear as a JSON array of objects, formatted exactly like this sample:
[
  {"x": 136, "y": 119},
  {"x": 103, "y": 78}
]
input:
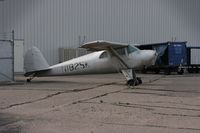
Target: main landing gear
[{"x": 131, "y": 78}]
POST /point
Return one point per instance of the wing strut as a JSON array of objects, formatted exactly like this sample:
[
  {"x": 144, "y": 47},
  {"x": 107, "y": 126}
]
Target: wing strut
[
  {"x": 119, "y": 57},
  {"x": 129, "y": 73}
]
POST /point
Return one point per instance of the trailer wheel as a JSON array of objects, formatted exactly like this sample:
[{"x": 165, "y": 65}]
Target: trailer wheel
[
  {"x": 197, "y": 70},
  {"x": 181, "y": 71},
  {"x": 167, "y": 71},
  {"x": 157, "y": 71},
  {"x": 190, "y": 70}
]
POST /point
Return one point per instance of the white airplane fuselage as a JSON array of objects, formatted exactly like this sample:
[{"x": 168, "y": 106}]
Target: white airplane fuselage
[{"x": 101, "y": 62}]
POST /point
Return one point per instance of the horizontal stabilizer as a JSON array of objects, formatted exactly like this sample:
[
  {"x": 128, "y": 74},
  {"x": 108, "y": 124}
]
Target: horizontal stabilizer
[{"x": 35, "y": 72}]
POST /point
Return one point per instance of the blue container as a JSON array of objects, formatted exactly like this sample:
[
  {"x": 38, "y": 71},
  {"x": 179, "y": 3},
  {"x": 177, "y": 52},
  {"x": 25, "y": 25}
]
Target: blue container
[
  {"x": 177, "y": 53},
  {"x": 170, "y": 54}
]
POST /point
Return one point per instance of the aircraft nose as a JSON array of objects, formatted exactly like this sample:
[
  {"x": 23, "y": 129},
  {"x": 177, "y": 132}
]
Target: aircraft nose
[{"x": 151, "y": 56}]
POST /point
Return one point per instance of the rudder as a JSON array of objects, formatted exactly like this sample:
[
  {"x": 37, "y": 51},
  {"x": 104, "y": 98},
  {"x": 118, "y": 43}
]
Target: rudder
[{"x": 34, "y": 61}]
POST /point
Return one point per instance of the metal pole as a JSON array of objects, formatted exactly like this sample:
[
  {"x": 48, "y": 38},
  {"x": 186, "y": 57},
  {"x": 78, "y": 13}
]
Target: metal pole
[{"x": 12, "y": 43}]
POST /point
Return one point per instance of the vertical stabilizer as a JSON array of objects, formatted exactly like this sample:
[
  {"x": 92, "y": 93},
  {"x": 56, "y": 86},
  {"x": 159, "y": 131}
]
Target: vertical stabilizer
[{"x": 34, "y": 61}]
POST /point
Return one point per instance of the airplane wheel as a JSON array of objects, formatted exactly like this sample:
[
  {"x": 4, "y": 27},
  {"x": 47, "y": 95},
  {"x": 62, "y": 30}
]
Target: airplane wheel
[
  {"x": 139, "y": 80},
  {"x": 28, "y": 80},
  {"x": 131, "y": 82}
]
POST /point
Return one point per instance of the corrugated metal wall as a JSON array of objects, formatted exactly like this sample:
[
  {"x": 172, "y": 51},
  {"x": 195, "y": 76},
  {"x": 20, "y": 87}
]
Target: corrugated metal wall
[{"x": 51, "y": 24}]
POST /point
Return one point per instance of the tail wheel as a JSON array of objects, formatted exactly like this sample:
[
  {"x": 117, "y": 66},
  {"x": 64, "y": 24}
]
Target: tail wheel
[
  {"x": 28, "y": 80},
  {"x": 32, "y": 77}
]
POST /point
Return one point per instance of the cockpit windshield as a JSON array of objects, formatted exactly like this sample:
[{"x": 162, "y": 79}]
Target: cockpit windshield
[
  {"x": 103, "y": 55},
  {"x": 131, "y": 48}
]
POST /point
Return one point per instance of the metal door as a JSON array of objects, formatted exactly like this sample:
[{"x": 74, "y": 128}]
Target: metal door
[{"x": 6, "y": 61}]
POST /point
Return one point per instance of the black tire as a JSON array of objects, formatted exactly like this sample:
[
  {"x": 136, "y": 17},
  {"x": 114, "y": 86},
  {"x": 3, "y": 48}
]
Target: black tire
[
  {"x": 157, "y": 71},
  {"x": 196, "y": 70},
  {"x": 180, "y": 71},
  {"x": 139, "y": 80},
  {"x": 131, "y": 82},
  {"x": 190, "y": 70},
  {"x": 167, "y": 71}
]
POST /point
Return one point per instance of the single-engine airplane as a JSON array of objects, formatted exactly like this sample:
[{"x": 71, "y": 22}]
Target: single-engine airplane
[{"x": 107, "y": 57}]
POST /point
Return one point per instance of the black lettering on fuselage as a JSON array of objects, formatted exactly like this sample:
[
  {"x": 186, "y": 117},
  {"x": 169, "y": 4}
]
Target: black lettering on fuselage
[{"x": 75, "y": 66}]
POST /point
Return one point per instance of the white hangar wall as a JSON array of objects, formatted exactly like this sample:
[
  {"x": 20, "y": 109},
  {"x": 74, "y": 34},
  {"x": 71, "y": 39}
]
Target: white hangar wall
[{"x": 51, "y": 24}]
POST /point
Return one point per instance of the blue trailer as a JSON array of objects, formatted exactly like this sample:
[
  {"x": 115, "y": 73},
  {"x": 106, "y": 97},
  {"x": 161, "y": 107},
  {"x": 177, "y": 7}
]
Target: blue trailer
[{"x": 172, "y": 56}]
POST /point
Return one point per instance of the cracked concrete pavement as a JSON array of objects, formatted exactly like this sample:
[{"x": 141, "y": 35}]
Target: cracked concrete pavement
[{"x": 101, "y": 103}]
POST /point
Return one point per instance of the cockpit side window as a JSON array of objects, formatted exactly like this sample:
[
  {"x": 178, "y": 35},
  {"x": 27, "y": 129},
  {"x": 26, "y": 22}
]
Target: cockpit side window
[
  {"x": 103, "y": 55},
  {"x": 132, "y": 48},
  {"x": 121, "y": 51}
]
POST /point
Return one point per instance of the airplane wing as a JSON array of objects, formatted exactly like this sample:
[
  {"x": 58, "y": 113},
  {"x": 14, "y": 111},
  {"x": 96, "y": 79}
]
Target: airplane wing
[
  {"x": 103, "y": 45},
  {"x": 106, "y": 45}
]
